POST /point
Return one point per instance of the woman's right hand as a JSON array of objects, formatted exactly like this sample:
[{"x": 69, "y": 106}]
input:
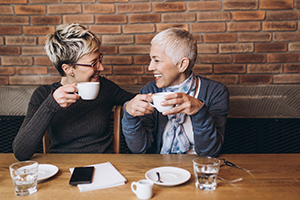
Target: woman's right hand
[
  {"x": 65, "y": 95},
  {"x": 139, "y": 106}
]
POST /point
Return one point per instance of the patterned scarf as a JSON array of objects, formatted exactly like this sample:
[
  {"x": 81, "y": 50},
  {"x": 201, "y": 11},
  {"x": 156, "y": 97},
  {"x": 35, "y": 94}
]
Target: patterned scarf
[{"x": 176, "y": 141}]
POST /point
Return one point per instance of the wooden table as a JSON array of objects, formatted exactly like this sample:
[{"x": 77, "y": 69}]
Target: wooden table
[{"x": 277, "y": 177}]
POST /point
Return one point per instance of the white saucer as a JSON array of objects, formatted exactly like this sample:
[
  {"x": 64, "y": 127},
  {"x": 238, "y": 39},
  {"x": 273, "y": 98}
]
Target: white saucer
[
  {"x": 46, "y": 171},
  {"x": 170, "y": 176}
]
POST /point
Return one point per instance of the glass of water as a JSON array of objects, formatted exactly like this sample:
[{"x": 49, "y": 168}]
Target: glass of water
[
  {"x": 24, "y": 175},
  {"x": 206, "y": 170}
]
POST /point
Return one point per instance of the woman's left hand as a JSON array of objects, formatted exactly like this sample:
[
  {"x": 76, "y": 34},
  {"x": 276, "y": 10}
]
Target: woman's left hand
[{"x": 184, "y": 104}]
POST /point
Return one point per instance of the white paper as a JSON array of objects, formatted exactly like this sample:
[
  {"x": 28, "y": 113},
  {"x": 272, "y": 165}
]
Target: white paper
[{"x": 105, "y": 176}]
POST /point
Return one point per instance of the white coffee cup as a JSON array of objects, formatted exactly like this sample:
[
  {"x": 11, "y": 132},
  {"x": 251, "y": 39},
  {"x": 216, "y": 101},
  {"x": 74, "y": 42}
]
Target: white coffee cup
[
  {"x": 88, "y": 90},
  {"x": 142, "y": 189},
  {"x": 158, "y": 98}
]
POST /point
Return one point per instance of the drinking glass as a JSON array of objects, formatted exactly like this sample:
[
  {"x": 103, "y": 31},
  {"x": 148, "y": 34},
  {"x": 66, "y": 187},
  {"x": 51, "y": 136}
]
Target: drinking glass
[
  {"x": 24, "y": 175},
  {"x": 206, "y": 170}
]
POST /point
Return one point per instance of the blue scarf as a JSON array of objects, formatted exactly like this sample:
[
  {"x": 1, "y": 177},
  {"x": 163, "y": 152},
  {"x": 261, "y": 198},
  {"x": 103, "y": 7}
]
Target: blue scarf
[{"x": 176, "y": 141}]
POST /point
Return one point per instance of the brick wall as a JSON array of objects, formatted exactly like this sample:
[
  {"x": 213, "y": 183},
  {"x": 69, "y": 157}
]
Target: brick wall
[{"x": 239, "y": 41}]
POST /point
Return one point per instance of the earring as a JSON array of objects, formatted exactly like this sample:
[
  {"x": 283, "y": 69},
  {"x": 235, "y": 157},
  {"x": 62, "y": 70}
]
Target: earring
[{"x": 72, "y": 75}]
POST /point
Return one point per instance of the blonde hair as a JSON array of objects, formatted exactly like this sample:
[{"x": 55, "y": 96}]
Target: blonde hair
[
  {"x": 69, "y": 43},
  {"x": 177, "y": 43}
]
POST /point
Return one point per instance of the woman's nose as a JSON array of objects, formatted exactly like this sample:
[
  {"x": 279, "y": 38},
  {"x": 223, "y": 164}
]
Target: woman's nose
[
  {"x": 151, "y": 66},
  {"x": 100, "y": 67}
]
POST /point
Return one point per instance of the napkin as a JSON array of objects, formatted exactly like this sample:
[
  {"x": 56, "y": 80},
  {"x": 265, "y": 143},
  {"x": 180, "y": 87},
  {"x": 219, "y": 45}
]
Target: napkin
[{"x": 105, "y": 176}]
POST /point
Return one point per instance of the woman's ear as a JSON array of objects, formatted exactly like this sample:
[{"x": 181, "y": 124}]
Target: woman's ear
[
  {"x": 183, "y": 64},
  {"x": 67, "y": 69}
]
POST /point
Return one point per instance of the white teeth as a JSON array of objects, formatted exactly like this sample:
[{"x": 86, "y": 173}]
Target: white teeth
[{"x": 157, "y": 75}]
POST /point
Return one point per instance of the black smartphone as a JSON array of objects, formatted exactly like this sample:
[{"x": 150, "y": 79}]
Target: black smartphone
[{"x": 82, "y": 175}]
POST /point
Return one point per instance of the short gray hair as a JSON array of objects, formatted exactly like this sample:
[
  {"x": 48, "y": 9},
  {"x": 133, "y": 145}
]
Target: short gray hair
[
  {"x": 69, "y": 43},
  {"x": 177, "y": 43}
]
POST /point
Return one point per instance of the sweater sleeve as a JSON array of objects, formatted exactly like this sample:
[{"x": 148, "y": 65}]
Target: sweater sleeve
[{"x": 41, "y": 109}]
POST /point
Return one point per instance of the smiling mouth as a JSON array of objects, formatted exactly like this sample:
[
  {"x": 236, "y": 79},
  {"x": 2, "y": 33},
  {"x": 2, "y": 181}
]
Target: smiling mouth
[{"x": 157, "y": 75}]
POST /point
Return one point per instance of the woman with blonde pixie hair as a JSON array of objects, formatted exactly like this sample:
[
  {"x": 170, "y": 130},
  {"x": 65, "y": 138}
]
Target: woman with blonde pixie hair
[
  {"x": 74, "y": 125},
  {"x": 197, "y": 123}
]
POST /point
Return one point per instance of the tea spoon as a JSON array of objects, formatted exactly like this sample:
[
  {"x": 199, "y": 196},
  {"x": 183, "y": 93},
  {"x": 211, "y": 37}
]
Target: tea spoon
[{"x": 158, "y": 177}]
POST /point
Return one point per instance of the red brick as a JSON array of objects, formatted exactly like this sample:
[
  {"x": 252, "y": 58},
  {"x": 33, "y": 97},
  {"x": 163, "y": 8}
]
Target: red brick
[
  {"x": 64, "y": 8},
  {"x": 10, "y": 50},
  {"x": 117, "y": 39},
  {"x": 16, "y": 60},
  {"x": 255, "y": 79},
  {"x": 208, "y": 27},
  {"x": 107, "y": 70},
  {"x": 204, "y": 5},
  {"x": 46, "y": 20},
  {"x": 80, "y": 1},
  {"x": 24, "y": 80},
  {"x": 20, "y": 40},
  {"x": 240, "y": 4},
  {"x": 30, "y": 10},
  {"x": 225, "y": 79},
  {"x": 37, "y": 50},
  {"x": 264, "y": 68},
  {"x": 278, "y": 4},
  {"x": 144, "y": 18},
  {"x": 207, "y": 48},
  {"x": 14, "y": 20},
  {"x": 111, "y": 19},
  {"x": 248, "y": 15},
  {"x": 134, "y": 49},
  {"x": 117, "y": 60},
  {"x": 143, "y": 39},
  {"x": 270, "y": 47},
  {"x": 286, "y": 78},
  {"x": 42, "y": 40},
  {"x": 292, "y": 68},
  {"x": 1, "y": 40},
  {"x": 283, "y": 15},
  {"x": 105, "y": 29},
  {"x": 8, "y": 71},
  {"x": 6, "y": 10},
  {"x": 279, "y": 26},
  {"x": 98, "y": 8},
  {"x": 52, "y": 71},
  {"x": 169, "y": 7},
  {"x": 286, "y": 36},
  {"x": 229, "y": 69},
  {"x": 10, "y": 30},
  {"x": 82, "y": 19},
  {"x": 198, "y": 37},
  {"x": 31, "y": 70},
  {"x": 3, "y": 80},
  {"x": 249, "y": 58},
  {"x": 38, "y": 30},
  {"x": 220, "y": 37},
  {"x": 128, "y": 70},
  {"x": 297, "y": 4},
  {"x": 244, "y": 26},
  {"x": 45, "y": 1},
  {"x": 236, "y": 48},
  {"x": 294, "y": 46},
  {"x": 164, "y": 26},
  {"x": 214, "y": 16},
  {"x": 202, "y": 69},
  {"x": 113, "y": 49},
  {"x": 254, "y": 37},
  {"x": 145, "y": 79},
  {"x": 124, "y": 80},
  {"x": 139, "y": 28},
  {"x": 133, "y": 7},
  {"x": 284, "y": 57},
  {"x": 42, "y": 61},
  {"x": 178, "y": 17},
  {"x": 142, "y": 59},
  {"x": 215, "y": 58},
  {"x": 47, "y": 80}
]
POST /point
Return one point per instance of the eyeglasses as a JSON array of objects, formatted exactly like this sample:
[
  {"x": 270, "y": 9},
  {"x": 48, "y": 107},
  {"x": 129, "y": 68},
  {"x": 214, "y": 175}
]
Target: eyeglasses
[{"x": 94, "y": 65}]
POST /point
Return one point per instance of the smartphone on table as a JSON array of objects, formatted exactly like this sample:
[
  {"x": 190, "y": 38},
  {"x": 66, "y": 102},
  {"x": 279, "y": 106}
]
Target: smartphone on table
[{"x": 82, "y": 175}]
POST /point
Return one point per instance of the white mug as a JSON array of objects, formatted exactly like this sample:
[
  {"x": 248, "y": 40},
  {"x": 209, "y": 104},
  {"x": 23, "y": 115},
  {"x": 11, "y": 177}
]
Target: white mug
[
  {"x": 142, "y": 189},
  {"x": 158, "y": 98},
  {"x": 88, "y": 90}
]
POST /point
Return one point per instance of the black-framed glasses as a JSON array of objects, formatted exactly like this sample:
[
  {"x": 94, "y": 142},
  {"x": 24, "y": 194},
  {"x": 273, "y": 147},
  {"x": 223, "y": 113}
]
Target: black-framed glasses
[{"x": 94, "y": 65}]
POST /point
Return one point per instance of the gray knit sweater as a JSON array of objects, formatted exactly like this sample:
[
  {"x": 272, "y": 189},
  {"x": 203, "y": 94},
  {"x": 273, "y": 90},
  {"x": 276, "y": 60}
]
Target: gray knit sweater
[{"x": 83, "y": 127}]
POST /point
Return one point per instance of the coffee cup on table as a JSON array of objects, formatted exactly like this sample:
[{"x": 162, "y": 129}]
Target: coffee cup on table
[
  {"x": 158, "y": 98},
  {"x": 88, "y": 90}
]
